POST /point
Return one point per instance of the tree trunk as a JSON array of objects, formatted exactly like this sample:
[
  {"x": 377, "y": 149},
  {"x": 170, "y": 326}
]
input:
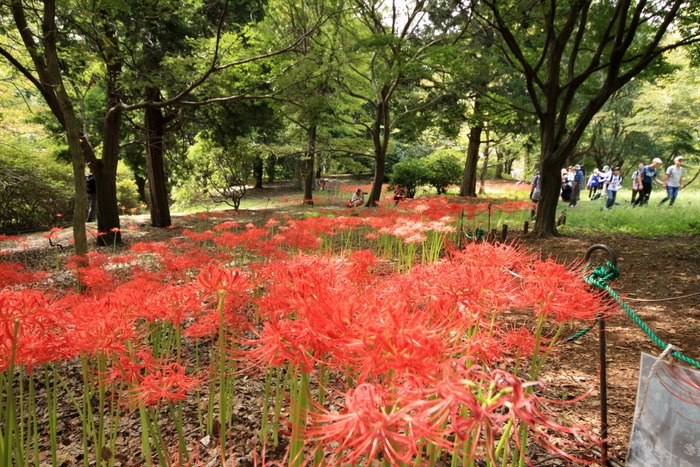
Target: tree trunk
[
  {"x": 50, "y": 84},
  {"x": 155, "y": 130},
  {"x": 258, "y": 172},
  {"x": 485, "y": 166},
  {"x": 498, "y": 172},
  {"x": 309, "y": 165},
  {"x": 549, "y": 198},
  {"x": 381, "y": 132},
  {"x": 468, "y": 187},
  {"x": 105, "y": 170}
]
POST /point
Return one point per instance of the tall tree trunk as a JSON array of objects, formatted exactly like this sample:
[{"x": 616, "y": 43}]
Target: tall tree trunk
[
  {"x": 157, "y": 185},
  {"x": 105, "y": 169},
  {"x": 381, "y": 132},
  {"x": 498, "y": 170},
  {"x": 485, "y": 165},
  {"x": 258, "y": 172},
  {"x": 549, "y": 198},
  {"x": 468, "y": 187},
  {"x": 44, "y": 55},
  {"x": 309, "y": 164}
]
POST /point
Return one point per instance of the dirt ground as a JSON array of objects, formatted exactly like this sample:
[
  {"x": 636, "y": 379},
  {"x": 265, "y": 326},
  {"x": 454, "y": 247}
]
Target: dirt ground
[{"x": 660, "y": 280}]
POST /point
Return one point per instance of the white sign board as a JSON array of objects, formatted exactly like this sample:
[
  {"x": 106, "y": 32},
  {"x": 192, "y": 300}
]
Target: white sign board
[{"x": 666, "y": 426}]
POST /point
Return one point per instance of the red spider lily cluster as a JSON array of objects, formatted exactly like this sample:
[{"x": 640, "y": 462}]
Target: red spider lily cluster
[{"x": 406, "y": 365}]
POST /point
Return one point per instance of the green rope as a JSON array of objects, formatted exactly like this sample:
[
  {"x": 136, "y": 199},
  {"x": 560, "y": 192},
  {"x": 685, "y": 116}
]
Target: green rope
[{"x": 598, "y": 278}]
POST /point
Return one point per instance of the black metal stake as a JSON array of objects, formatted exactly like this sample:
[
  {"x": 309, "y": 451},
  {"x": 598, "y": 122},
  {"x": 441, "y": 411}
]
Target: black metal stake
[
  {"x": 603, "y": 365},
  {"x": 603, "y": 395}
]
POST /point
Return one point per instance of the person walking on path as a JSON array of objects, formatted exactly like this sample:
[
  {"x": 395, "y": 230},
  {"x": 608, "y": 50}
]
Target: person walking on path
[
  {"x": 614, "y": 184},
  {"x": 673, "y": 181},
  {"x": 636, "y": 186},
  {"x": 648, "y": 175},
  {"x": 576, "y": 185},
  {"x": 593, "y": 184}
]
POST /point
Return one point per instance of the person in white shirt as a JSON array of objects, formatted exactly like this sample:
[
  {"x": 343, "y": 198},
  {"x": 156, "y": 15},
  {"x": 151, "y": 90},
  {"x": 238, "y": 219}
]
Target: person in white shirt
[
  {"x": 614, "y": 184},
  {"x": 673, "y": 181}
]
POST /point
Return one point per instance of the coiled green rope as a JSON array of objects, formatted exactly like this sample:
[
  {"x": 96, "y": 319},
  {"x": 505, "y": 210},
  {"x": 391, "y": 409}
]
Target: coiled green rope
[{"x": 599, "y": 278}]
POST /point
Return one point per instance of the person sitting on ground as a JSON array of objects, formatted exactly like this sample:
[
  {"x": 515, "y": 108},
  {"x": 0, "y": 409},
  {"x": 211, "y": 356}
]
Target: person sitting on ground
[{"x": 358, "y": 199}]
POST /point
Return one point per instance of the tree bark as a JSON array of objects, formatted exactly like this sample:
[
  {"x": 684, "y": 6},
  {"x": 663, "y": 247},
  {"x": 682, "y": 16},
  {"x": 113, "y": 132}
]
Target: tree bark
[
  {"x": 309, "y": 164},
  {"x": 485, "y": 165},
  {"x": 155, "y": 124},
  {"x": 468, "y": 187},
  {"x": 49, "y": 82},
  {"x": 258, "y": 172},
  {"x": 380, "y": 133}
]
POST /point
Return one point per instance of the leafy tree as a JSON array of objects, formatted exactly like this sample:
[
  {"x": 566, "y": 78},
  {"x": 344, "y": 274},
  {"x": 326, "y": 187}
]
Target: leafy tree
[
  {"x": 223, "y": 173},
  {"x": 573, "y": 56},
  {"x": 409, "y": 174},
  {"x": 384, "y": 55},
  {"x": 443, "y": 169},
  {"x": 38, "y": 61}
]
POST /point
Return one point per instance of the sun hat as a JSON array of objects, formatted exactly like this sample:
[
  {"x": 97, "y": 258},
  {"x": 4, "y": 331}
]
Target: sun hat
[
  {"x": 577, "y": 167},
  {"x": 657, "y": 161},
  {"x": 605, "y": 167},
  {"x": 679, "y": 158}
]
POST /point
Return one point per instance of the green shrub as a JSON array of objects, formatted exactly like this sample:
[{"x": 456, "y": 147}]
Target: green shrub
[
  {"x": 409, "y": 174},
  {"x": 30, "y": 202},
  {"x": 128, "y": 196},
  {"x": 443, "y": 169}
]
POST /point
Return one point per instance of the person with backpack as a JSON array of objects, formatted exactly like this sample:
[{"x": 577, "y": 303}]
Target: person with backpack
[
  {"x": 614, "y": 184},
  {"x": 647, "y": 175},
  {"x": 636, "y": 185},
  {"x": 593, "y": 184}
]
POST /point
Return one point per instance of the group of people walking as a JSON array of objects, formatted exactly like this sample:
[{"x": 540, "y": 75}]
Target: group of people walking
[{"x": 608, "y": 182}]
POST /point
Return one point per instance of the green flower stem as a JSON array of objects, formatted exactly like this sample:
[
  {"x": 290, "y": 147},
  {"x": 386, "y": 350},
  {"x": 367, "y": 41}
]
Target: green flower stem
[
  {"x": 300, "y": 408},
  {"x": 145, "y": 432}
]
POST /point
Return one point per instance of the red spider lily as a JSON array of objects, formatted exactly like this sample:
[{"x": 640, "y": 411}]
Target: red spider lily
[
  {"x": 15, "y": 273},
  {"x": 42, "y": 329},
  {"x": 198, "y": 237},
  {"x": 227, "y": 225},
  {"x": 168, "y": 383},
  {"x": 215, "y": 278},
  {"x": 375, "y": 422},
  {"x": 554, "y": 290},
  {"x": 104, "y": 324}
]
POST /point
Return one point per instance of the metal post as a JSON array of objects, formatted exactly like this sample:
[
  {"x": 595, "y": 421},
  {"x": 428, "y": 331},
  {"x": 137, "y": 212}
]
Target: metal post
[{"x": 603, "y": 365}]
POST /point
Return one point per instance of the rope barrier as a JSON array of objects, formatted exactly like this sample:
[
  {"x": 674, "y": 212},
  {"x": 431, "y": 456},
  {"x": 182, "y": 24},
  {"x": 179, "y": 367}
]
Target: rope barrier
[{"x": 599, "y": 278}]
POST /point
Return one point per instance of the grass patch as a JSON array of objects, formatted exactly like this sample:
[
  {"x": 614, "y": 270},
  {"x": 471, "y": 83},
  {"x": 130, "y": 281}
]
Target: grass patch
[{"x": 653, "y": 220}]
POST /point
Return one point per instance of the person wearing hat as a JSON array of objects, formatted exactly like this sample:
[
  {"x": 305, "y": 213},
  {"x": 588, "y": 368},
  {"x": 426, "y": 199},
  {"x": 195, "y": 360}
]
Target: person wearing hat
[
  {"x": 614, "y": 184},
  {"x": 648, "y": 175},
  {"x": 673, "y": 181},
  {"x": 576, "y": 186}
]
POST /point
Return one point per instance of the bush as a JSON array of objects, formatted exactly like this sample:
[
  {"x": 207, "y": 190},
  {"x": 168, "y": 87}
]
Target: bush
[
  {"x": 443, "y": 169},
  {"x": 409, "y": 174},
  {"x": 127, "y": 195},
  {"x": 31, "y": 202}
]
